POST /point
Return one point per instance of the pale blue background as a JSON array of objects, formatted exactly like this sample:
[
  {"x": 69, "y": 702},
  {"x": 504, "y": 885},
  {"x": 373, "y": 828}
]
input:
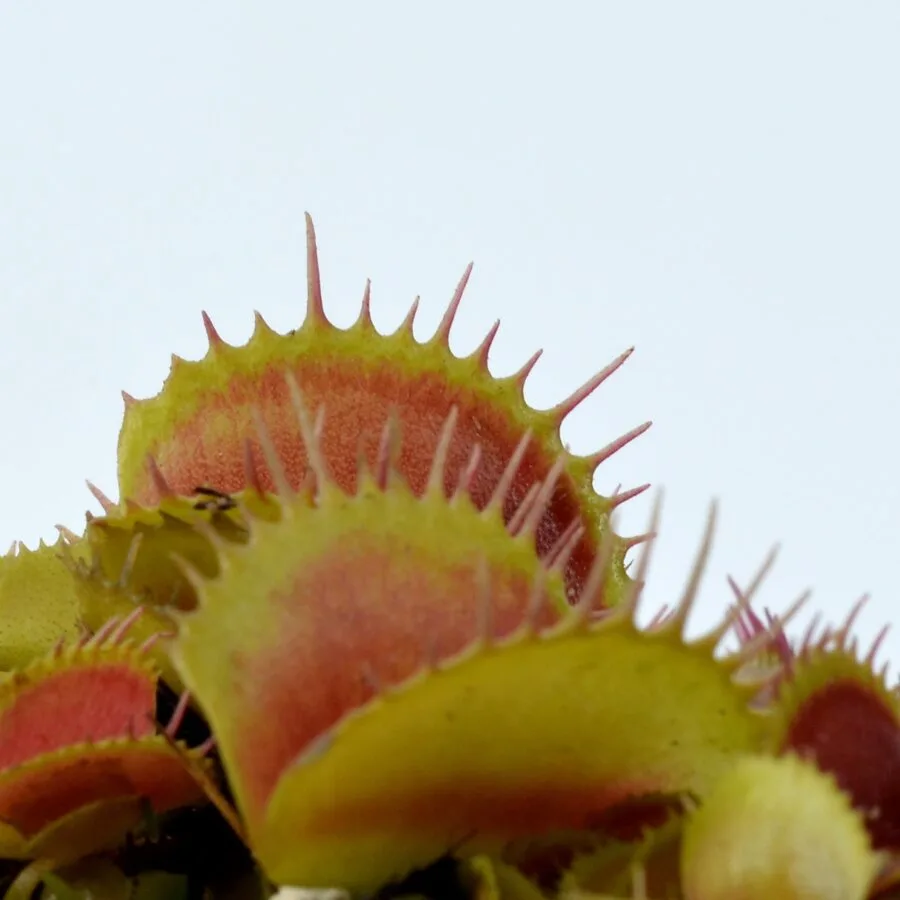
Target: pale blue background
[{"x": 716, "y": 183}]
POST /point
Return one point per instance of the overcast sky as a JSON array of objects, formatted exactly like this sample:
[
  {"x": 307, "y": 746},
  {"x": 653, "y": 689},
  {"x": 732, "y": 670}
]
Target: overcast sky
[{"x": 715, "y": 183}]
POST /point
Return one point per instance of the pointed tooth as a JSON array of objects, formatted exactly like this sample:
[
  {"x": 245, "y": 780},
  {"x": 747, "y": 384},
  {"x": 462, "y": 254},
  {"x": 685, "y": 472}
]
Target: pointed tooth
[
  {"x": 406, "y": 326},
  {"x": 746, "y": 623},
  {"x": 67, "y": 534},
  {"x": 843, "y": 633},
  {"x": 561, "y": 410},
  {"x": 437, "y": 475},
  {"x": 758, "y": 577},
  {"x": 251, "y": 475},
  {"x": 780, "y": 643},
  {"x": 744, "y": 620},
  {"x": 591, "y": 597},
  {"x": 86, "y": 636},
  {"x": 792, "y": 611},
  {"x": 501, "y": 489},
  {"x": 319, "y": 425},
  {"x": 213, "y": 336},
  {"x": 481, "y": 353},
  {"x": 442, "y": 334},
  {"x": 535, "y": 606},
  {"x": 315, "y": 309},
  {"x": 685, "y": 605},
  {"x": 659, "y": 618},
  {"x": 632, "y": 599},
  {"x": 636, "y": 540},
  {"x": 876, "y": 645},
  {"x": 177, "y": 718},
  {"x": 467, "y": 475},
  {"x": 558, "y": 555},
  {"x": 207, "y": 783},
  {"x": 58, "y": 648},
  {"x": 119, "y": 634},
  {"x": 536, "y": 513},
  {"x": 825, "y": 638},
  {"x": 807, "y": 640},
  {"x": 273, "y": 462},
  {"x": 519, "y": 378},
  {"x": 154, "y": 639},
  {"x": 517, "y": 520},
  {"x": 388, "y": 449},
  {"x": 191, "y": 573},
  {"x": 101, "y": 635},
  {"x": 128, "y": 400},
  {"x": 619, "y": 498},
  {"x": 163, "y": 489},
  {"x": 107, "y": 504},
  {"x": 134, "y": 546},
  {"x": 595, "y": 459},
  {"x": 758, "y": 644},
  {"x": 364, "y": 320},
  {"x": 261, "y": 327},
  {"x": 314, "y": 453}
]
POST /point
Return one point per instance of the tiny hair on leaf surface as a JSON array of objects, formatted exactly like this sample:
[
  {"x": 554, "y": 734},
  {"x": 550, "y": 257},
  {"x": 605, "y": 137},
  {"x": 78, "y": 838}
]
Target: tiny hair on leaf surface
[{"x": 358, "y": 626}]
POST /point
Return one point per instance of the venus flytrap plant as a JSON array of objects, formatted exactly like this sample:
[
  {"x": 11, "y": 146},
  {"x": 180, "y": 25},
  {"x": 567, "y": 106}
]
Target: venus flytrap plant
[{"x": 359, "y": 625}]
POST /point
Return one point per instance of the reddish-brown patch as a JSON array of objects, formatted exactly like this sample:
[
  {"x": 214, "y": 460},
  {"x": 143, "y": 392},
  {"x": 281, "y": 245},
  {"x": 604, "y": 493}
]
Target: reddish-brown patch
[
  {"x": 545, "y": 865},
  {"x": 366, "y": 611},
  {"x": 534, "y": 805},
  {"x": 851, "y": 732},
  {"x": 35, "y": 796},
  {"x": 208, "y": 447},
  {"x": 628, "y": 821},
  {"x": 74, "y": 705}
]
